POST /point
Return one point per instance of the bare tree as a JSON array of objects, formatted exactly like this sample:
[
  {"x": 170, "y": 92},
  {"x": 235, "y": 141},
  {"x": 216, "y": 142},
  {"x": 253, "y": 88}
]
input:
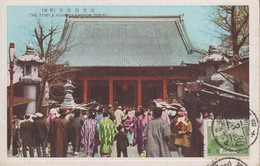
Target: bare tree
[
  {"x": 55, "y": 75},
  {"x": 234, "y": 22}
]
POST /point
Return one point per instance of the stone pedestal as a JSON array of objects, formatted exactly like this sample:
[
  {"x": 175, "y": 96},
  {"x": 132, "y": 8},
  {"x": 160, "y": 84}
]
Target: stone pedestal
[{"x": 29, "y": 91}]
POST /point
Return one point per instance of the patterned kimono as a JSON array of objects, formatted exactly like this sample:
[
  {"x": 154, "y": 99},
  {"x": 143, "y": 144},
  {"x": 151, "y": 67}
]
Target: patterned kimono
[
  {"x": 107, "y": 132},
  {"x": 184, "y": 124},
  {"x": 140, "y": 122},
  {"x": 89, "y": 136}
]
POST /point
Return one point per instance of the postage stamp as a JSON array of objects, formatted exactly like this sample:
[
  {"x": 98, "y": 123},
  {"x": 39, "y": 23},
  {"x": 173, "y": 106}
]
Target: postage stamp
[
  {"x": 227, "y": 143},
  {"x": 225, "y": 137}
]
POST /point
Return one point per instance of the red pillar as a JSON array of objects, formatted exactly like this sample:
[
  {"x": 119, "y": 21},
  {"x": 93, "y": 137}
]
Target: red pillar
[
  {"x": 85, "y": 91},
  {"x": 110, "y": 91},
  {"x": 139, "y": 92},
  {"x": 165, "y": 89}
]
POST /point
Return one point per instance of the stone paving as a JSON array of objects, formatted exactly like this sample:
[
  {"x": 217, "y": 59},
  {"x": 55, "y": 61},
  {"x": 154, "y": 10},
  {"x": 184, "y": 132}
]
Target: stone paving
[{"x": 132, "y": 152}]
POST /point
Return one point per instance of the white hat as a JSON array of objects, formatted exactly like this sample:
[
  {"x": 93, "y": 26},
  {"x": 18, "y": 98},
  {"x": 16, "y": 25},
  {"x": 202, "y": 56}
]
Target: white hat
[{"x": 39, "y": 115}]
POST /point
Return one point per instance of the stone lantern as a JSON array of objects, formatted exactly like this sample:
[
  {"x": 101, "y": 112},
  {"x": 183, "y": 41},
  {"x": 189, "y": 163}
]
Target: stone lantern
[
  {"x": 212, "y": 63},
  {"x": 30, "y": 63},
  {"x": 68, "y": 99}
]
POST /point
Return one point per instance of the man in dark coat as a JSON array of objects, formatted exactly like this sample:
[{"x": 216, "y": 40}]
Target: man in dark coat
[
  {"x": 75, "y": 131},
  {"x": 58, "y": 134},
  {"x": 26, "y": 130},
  {"x": 40, "y": 134}
]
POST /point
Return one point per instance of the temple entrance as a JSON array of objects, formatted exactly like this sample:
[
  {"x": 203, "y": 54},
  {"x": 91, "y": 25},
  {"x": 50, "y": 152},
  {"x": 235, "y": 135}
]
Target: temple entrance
[
  {"x": 98, "y": 91},
  {"x": 151, "y": 90},
  {"x": 125, "y": 92}
]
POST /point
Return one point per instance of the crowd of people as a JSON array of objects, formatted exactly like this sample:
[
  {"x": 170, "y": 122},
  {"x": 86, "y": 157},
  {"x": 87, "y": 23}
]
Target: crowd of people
[{"x": 152, "y": 131}]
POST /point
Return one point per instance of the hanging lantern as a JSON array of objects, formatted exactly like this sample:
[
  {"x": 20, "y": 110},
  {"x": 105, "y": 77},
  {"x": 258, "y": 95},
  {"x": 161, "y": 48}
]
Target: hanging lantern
[{"x": 124, "y": 87}]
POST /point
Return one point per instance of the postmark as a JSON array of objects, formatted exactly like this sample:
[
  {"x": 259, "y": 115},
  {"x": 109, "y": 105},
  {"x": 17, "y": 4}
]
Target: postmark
[
  {"x": 228, "y": 161},
  {"x": 236, "y": 135}
]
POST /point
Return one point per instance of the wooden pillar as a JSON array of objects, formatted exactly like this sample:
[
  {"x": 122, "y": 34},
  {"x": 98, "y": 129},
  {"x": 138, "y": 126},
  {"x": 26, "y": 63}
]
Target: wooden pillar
[
  {"x": 139, "y": 92},
  {"x": 110, "y": 91},
  {"x": 85, "y": 91},
  {"x": 165, "y": 89}
]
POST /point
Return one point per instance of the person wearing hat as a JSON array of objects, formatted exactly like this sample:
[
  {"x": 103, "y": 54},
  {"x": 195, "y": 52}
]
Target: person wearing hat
[
  {"x": 119, "y": 115},
  {"x": 158, "y": 133},
  {"x": 106, "y": 134},
  {"x": 89, "y": 134},
  {"x": 26, "y": 133},
  {"x": 121, "y": 141},
  {"x": 40, "y": 134},
  {"x": 58, "y": 134},
  {"x": 74, "y": 131},
  {"x": 181, "y": 128}
]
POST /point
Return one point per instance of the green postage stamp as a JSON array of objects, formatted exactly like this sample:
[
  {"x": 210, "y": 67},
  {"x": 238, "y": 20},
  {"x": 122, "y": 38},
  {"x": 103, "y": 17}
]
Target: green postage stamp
[{"x": 229, "y": 137}]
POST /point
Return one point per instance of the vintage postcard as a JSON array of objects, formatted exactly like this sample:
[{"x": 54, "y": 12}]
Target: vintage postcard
[{"x": 105, "y": 83}]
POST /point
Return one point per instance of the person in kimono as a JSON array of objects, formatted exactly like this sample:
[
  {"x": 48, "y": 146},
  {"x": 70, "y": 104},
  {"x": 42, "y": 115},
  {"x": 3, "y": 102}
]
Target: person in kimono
[
  {"x": 75, "y": 131},
  {"x": 111, "y": 112},
  {"x": 58, "y": 134},
  {"x": 158, "y": 135},
  {"x": 106, "y": 133},
  {"x": 182, "y": 129},
  {"x": 89, "y": 134},
  {"x": 129, "y": 123},
  {"x": 119, "y": 116},
  {"x": 165, "y": 116},
  {"x": 139, "y": 125},
  {"x": 99, "y": 114},
  {"x": 52, "y": 115}
]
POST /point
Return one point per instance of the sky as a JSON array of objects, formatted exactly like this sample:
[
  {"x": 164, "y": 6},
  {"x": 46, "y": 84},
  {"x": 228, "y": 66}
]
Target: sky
[{"x": 21, "y": 20}]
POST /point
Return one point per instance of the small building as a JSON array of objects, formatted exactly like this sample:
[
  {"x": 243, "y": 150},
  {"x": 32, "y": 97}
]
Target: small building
[{"x": 128, "y": 60}]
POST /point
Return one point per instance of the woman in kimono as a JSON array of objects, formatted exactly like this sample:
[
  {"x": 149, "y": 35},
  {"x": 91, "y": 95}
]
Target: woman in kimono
[
  {"x": 182, "y": 128},
  {"x": 139, "y": 125},
  {"x": 89, "y": 134}
]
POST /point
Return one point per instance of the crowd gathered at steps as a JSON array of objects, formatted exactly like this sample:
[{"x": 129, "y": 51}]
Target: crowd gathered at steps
[{"x": 151, "y": 131}]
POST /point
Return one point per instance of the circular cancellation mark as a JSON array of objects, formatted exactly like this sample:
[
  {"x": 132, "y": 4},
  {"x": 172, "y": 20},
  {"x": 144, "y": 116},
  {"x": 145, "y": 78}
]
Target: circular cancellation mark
[
  {"x": 228, "y": 161},
  {"x": 236, "y": 135}
]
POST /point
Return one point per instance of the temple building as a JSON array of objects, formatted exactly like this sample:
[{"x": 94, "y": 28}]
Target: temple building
[{"x": 128, "y": 60}]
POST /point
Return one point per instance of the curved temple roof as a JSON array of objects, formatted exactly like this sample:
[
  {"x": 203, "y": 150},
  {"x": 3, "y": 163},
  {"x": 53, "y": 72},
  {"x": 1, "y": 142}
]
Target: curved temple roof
[{"x": 146, "y": 41}]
